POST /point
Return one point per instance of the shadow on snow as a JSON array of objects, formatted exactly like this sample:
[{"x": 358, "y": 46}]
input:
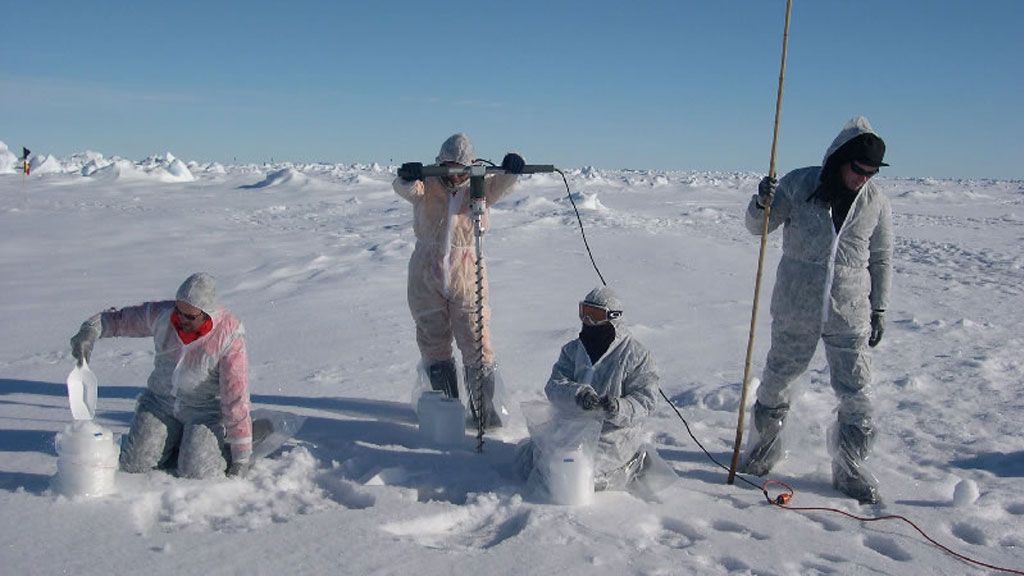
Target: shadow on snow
[
  {"x": 371, "y": 441},
  {"x": 1008, "y": 465}
]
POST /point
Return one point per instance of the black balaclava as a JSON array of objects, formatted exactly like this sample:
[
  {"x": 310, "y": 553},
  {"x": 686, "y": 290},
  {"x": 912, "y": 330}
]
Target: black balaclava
[
  {"x": 834, "y": 191},
  {"x": 868, "y": 149},
  {"x": 597, "y": 339}
]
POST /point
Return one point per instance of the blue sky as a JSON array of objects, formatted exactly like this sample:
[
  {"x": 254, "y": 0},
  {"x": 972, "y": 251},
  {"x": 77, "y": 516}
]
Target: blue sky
[{"x": 680, "y": 84}]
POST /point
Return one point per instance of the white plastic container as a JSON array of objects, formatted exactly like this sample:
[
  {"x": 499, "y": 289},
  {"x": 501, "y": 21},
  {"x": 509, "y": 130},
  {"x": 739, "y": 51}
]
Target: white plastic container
[
  {"x": 442, "y": 420},
  {"x": 86, "y": 460},
  {"x": 426, "y": 413},
  {"x": 450, "y": 424},
  {"x": 570, "y": 476}
]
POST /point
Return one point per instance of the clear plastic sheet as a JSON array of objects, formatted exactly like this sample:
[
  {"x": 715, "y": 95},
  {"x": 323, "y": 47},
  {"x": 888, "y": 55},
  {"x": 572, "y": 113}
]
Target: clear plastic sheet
[
  {"x": 271, "y": 429},
  {"x": 563, "y": 447}
]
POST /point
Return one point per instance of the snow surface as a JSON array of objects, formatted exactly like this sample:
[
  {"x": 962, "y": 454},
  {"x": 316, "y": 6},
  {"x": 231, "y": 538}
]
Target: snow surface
[{"x": 313, "y": 258}]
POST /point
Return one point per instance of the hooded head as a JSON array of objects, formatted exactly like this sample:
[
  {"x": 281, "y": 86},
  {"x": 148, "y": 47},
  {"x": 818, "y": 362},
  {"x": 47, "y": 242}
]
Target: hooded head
[
  {"x": 605, "y": 297},
  {"x": 457, "y": 148},
  {"x": 597, "y": 338},
  {"x": 856, "y": 141},
  {"x": 200, "y": 291}
]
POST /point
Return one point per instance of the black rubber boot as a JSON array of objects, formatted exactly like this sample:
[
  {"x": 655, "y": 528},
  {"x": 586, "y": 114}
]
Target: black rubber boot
[
  {"x": 443, "y": 377},
  {"x": 261, "y": 428}
]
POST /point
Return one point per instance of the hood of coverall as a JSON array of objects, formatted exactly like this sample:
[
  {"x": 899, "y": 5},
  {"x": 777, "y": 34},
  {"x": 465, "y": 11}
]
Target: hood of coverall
[
  {"x": 200, "y": 291},
  {"x": 606, "y": 297},
  {"x": 856, "y": 126},
  {"x": 457, "y": 148}
]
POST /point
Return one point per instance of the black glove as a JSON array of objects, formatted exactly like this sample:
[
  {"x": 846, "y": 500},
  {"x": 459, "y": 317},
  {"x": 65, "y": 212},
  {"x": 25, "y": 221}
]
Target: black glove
[
  {"x": 610, "y": 405},
  {"x": 81, "y": 350},
  {"x": 587, "y": 399},
  {"x": 766, "y": 191},
  {"x": 239, "y": 469},
  {"x": 82, "y": 342},
  {"x": 513, "y": 163},
  {"x": 411, "y": 171},
  {"x": 877, "y": 327}
]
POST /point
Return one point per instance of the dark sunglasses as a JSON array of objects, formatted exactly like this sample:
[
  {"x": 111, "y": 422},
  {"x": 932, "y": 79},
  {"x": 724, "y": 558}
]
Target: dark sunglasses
[
  {"x": 189, "y": 317},
  {"x": 856, "y": 168}
]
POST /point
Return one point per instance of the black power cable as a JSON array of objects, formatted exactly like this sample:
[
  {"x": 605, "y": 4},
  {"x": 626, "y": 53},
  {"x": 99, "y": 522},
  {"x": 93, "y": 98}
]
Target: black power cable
[
  {"x": 582, "y": 232},
  {"x": 705, "y": 450}
]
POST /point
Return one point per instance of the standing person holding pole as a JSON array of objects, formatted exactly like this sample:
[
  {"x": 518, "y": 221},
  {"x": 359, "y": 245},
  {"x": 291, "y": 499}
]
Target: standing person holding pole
[{"x": 832, "y": 284}]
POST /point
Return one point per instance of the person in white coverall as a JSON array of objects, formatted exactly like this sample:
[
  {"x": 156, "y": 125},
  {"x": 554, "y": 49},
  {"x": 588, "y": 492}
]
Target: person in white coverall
[
  {"x": 194, "y": 414},
  {"x": 606, "y": 370},
  {"x": 442, "y": 271},
  {"x": 833, "y": 285}
]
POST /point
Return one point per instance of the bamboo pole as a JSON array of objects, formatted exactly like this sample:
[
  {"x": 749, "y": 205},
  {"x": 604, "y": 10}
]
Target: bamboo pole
[{"x": 760, "y": 257}]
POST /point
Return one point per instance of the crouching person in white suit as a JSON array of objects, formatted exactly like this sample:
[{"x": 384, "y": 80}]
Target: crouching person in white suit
[
  {"x": 605, "y": 371},
  {"x": 194, "y": 415}
]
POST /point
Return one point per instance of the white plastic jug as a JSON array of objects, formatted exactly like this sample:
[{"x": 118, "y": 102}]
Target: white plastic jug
[
  {"x": 570, "y": 476},
  {"x": 450, "y": 424},
  {"x": 82, "y": 390},
  {"x": 86, "y": 460},
  {"x": 442, "y": 420},
  {"x": 426, "y": 414}
]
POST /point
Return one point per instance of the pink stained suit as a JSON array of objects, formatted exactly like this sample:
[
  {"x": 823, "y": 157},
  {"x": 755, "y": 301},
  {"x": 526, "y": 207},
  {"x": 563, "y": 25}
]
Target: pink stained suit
[
  {"x": 204, "y": 381},
  {"x": 442, "y": 270}
]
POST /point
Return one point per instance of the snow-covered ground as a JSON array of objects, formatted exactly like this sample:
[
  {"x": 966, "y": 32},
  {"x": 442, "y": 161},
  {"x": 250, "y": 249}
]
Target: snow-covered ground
[{"x": 313, "y": 259}]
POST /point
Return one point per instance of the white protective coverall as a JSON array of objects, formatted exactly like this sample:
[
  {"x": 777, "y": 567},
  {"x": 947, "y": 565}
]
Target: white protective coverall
[
  {"x": 625, "y": 371},
  {"x": 442, "y": 270},
  {"x": 196, "y": 402},
  {"x": 826, "y": 287}
]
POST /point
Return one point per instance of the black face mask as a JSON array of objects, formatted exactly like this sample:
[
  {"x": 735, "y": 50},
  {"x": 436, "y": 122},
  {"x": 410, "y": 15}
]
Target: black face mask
[
  {"x": 597, "y": 339},
  {"x": 833, "y": 191},
  {"x": 831, "y": 182}
]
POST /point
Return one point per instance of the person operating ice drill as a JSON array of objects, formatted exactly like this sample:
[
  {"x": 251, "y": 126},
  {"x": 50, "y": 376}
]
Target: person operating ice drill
[{"x": 442, "y": 283}]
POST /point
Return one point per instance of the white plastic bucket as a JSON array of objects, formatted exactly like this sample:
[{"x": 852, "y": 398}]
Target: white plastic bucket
[
  {"x": 86, "y": 460},
  {"x": 442, "y": 420},
  {"x": 570, "y": 476}
]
